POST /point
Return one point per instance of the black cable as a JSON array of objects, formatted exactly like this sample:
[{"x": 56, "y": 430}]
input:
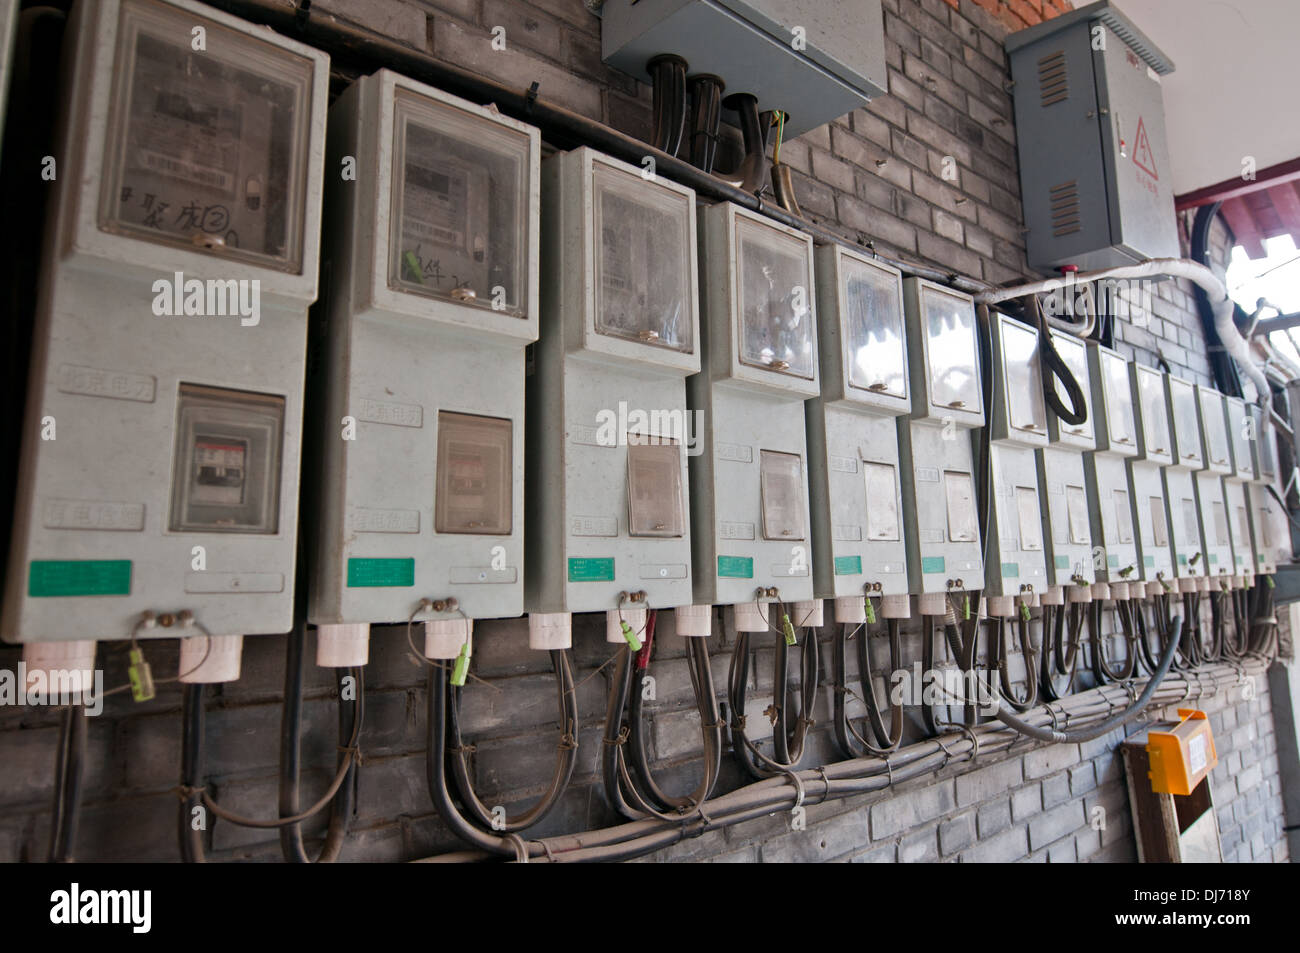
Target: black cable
[
  {"x": 1001, "y": 657},
  {"x": 193, "y": 769},
  {"x": 566, "y": 755},
  {"x": 851, "y": 742},
  {"x": 69, "y": 768},
  {"x": 1103, "y": 669},
  {"x": 1058, "y": 662},
  {"x": 1054, "y": 367}
]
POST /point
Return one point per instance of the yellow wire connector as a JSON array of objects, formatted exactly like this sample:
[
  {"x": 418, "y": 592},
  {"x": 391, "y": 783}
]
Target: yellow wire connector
[
  {"x": 141, "y": 676},
  {"x": 632, "y": 641},
  {"x": 788, "y": 628}
]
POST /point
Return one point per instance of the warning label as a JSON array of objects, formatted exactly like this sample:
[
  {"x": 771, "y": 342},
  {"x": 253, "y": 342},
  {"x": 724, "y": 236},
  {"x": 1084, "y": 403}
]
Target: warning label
[{"x": 1142, "y": 155}]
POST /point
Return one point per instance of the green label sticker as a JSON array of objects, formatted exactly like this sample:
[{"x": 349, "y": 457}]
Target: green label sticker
[
  {"x": 1062, "y": 562},
  {"x": 375, "y": 573},
  {"x": 735, "y": 567},
  {"x": 930, "y": 564},
  {"x": 1149, "y": 561},
  {"x": 1112, "y": 562},
  {"x": 79, "y": 577},
  {"x": 1182, "y": 560},
  {"x": 1214, "y": 557},
  {"x": 848, "y": 565},
  {"x": 1010, "y": 570},
  {"x": 592, "y": 570}
]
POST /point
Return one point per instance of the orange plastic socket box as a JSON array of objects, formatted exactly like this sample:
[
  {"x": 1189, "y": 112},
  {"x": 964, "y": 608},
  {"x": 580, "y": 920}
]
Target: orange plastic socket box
[{"x": 1182, "y": 756}]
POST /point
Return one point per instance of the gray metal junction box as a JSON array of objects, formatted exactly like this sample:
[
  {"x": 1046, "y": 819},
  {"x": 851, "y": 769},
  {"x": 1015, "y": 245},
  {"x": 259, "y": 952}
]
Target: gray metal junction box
[
  {"x": 816, "y": 61},
  {"x": 1090, "y": 127}
]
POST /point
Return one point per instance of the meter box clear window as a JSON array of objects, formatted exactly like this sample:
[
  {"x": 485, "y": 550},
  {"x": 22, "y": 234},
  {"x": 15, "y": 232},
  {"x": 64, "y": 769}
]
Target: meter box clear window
[
  {"x": 874, "y": 305},
  {"x": 1155, "y": 414},
  {"x": 1031, "y": 524},
  {"x": 1024, "y": 378},
  {"x": 1076, "y": 507},
  {"x": 1185, "y": 420},
  {"x": 1221, "y": 535},
  {"x": 1075, "y": 356},
  {"x": 1123, "y": 516},
  {"x": 882, "y": 502},
  {"x": 1243, "y": 427},
  {"x": 781, "y": 485},
  {"x": 1216, "y": 429},
  {"x": 474, "y": 486},
  {"x": 226, "y": 475},
  {"x": 655, "y": 499},
  {"x": 207, "y": 148},
  {"x": 950, "y": 334},
  {"x": 775, "y": 294},
  {"x": 1191, "y": 519},
  {"x": 643, "y": 273},
  {"x": 1159, "y": 530},
  {"x": 959, "y": 491},
  {"x": 460, "y": 206},
  {"x": 1119, "y": 400}
]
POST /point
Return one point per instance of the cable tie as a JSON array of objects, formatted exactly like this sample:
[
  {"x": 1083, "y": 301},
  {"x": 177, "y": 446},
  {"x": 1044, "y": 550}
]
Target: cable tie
[{"x": 821, "y": 769}]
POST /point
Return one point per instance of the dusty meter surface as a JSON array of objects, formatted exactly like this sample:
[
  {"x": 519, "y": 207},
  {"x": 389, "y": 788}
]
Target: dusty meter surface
[
  {"x": 1146, "y": 477},
  {"x": 1240, "y": 428},
  {"x": 1017, "y": 544},
  {"x": 159, "y": 472},
  {"x": 1180, "y": 489},
  {"x": 1094, "y": 159},
  {"x": 608, "y": 508},
  {"x": 941, "y": 525},
  {"x": 854, "y": 482},
  {"x": 1212, "y": 503},
  {"x": 750, "y": 484},
  {"x": 1110, "y": 497},
  {"x": 1071, "y": 557},
  {"x": 419, "y": 492},
  {"x": 816, "y": 61}
]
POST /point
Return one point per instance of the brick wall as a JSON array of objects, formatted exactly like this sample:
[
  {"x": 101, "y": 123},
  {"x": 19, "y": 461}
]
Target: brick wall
[{"x": 877, "y": 176}]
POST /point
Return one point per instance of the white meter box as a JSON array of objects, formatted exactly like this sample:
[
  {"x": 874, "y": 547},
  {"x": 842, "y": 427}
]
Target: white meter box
[
  {"x": 939, "y": 516},
  {"x": 433, "y": 299},
  {"x": 749, "y": 485},
  {"x": 854, "y": 487},
  {"x": 607, "y": 422},
  {"x": 1241, "y": 437},
  {"x": 1110, "y": 499},
  {"x": 159, "y": 471},
  {"x": 1018, "y": 427},
  {"x": 1180, "y": 489},
  {"x": 1146, "y": 473},
  {"x": 1211, "y": 501},
  {"x": 1071, "y": 556}
]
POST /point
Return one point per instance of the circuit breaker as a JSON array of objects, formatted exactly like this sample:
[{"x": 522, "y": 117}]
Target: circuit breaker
[
  {"x": 1190, "y": 559},
  {"x": 1146, "y": 478},
  {"x": 608, "y": 509},
  {"x": 1071, "y": 561},
  {"x": 1110, "y": 496},
  {"x": 854, "y": 482},
  {"x": 1094, "y": 159},
  {"x": 817, "y": 61},
  {"x": 433, "y": 299},
  {"x": 1212, "y": 504},
  {"x": 1018, "y": 427},
  {"x": 751, "y": 525},
  {"x": 941, "y": 524},
  {"x": 159, "y": 468},
  {"x": 1240, "y": 436}
]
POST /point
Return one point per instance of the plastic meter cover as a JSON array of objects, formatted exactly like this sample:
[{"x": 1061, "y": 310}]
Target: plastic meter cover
[
  {"x": 1024, "y": 378},
  {"x": 781, "y": 487},
  {"x": 1216, "y": 429},
  {"x": 206, "y": 148},
  {"x": 1155, "y": 412},
  {"x": 1075, "y": 355},
  {"x": 460, "y": 206},
  {"x": 775, "y": 297},
  {"x": 1119, "y": 400},
  {"x": 656, "y": 503},
  {"x": 874, "y": 306},
  {"x": 950, "y": 331},
  {"x": 1188, "y": 427},
  {"x": 642, "y": 271},
  {"x": 474, "y": 489}
]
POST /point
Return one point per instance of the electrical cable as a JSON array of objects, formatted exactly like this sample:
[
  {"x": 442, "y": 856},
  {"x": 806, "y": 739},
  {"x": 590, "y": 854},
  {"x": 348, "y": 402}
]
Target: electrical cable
[
  {"x": 851, "y": 742},
  {"x": 999, "y": 656},
  {"x": 69, "y": 769}
]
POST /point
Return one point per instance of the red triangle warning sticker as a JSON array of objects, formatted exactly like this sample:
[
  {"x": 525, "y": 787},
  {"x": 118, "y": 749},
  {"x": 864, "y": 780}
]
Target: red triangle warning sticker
[{"x": 1143, "y": 157}]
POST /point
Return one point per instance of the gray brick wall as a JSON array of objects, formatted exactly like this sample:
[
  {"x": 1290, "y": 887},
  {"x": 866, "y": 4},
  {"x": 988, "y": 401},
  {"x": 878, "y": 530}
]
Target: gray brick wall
[{"x": 927, "y": 173}]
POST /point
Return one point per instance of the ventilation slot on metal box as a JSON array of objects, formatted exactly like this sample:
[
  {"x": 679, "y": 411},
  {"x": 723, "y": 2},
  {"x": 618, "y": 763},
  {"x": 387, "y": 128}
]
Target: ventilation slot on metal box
[
  {"x": 1065, "y": 208},
  {"x": 1053, "y": 85}
]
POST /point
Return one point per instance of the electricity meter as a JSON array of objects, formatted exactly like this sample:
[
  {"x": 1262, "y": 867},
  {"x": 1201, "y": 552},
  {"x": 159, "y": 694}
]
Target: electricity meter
[
  {"x": 608, "y": 525},
  {"x": 1146, "y": 478},
  {"x": 1271, "y": 532},
  {"x": 158, "y": 486},
  {"x": 1110, "y": 498},
  {"x": 1180, "y": 492},
  {"x": 941, "y": 525},
  {"x": 854, "y": 482},
  {"x": 750, "y": 508},
  {"x": 1071, "y": 559},
  {"x": 419, "y": 492},
  {"x": 1212, "y": 504},
  {"x": 1018, "y": 426},
  {"x": 1240, "y": 428}
]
